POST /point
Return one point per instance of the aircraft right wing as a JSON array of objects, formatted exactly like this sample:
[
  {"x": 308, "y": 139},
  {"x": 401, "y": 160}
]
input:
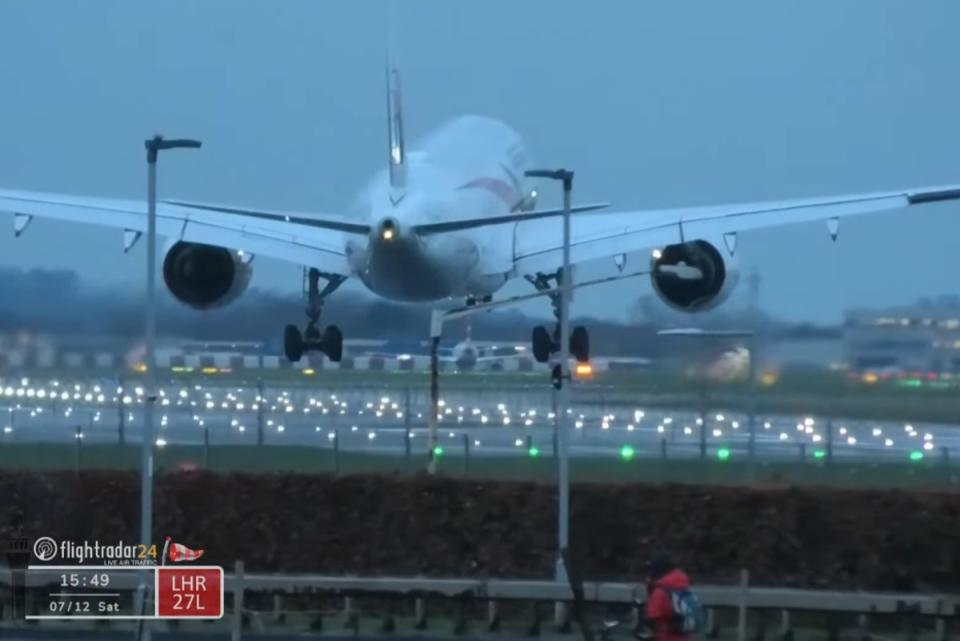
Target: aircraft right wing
[
  {"x": 298, "y": 238},
  {"x": 538, "y": 244}
]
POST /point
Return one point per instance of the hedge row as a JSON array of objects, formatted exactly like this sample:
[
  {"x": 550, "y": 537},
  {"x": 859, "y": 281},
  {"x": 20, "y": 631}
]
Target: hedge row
[{"x": 442, "y": 527}]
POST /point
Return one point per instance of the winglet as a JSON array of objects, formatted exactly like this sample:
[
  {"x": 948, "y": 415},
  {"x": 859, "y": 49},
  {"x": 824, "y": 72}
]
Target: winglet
[{"x": 397, "y": 154}]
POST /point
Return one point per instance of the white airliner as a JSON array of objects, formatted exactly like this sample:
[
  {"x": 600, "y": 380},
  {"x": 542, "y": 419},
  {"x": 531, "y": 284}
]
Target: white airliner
[
  {"x": 468, "y": 356},
  {"x": 453, "y": 217}
]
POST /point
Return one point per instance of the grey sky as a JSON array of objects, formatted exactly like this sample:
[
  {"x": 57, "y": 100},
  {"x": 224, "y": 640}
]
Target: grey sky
[{"x": 653, "y": 104}]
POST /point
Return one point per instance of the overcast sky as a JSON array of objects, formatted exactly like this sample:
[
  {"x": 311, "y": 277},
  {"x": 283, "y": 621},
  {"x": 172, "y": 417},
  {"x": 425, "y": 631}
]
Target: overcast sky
[{"x": 653, "y": 104}]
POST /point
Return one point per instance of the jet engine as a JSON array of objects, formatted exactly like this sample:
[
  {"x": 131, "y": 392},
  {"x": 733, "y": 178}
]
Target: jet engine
[
  {"x": 692, "y": 276},
  {"x": 205, "y": 276}
]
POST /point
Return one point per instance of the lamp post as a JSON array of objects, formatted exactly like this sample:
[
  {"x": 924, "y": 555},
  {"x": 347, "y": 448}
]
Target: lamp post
[
  {"x": 436, "y": 331},
  {"x": 563, "y": 392},
  {"x": 153, "y": 146}
]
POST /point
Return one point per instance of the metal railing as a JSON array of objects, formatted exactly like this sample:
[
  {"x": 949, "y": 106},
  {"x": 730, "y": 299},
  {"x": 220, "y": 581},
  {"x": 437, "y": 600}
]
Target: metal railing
[{"x": 740, "y": 598}]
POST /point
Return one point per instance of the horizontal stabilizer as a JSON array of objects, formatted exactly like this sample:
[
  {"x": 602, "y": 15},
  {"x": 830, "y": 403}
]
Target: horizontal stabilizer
[
  {"x": 333, "y": 224},
  {"x": 473, "y": 223}
]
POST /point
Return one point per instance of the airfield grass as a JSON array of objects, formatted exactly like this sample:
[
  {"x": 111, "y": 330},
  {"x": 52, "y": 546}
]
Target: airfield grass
[{"x": 930, "y": 474}]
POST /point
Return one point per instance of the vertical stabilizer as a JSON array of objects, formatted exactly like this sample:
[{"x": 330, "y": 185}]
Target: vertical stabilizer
[{"x": 397, "y": 158}]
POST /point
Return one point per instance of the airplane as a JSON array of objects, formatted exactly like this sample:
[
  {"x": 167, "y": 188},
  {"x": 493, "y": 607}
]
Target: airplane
[
  {"x": 464, "y": 356},
  {"x": 467, "y": 356},
  {"x": 452, "y": 218}
]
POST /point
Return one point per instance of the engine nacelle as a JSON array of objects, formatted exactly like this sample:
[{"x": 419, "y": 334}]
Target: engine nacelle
[
  {"x": 678, "y": 290},
  {"x": 205, "y": 276}
]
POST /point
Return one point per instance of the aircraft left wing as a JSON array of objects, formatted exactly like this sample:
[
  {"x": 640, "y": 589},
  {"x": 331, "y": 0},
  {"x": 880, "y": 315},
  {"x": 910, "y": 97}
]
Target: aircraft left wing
[
  {"x": 299, "y": 238},
  {"x": 538, "y": 244}
]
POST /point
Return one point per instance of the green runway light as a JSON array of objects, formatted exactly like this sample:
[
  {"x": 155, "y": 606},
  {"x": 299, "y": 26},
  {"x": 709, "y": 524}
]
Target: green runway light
[
  {"x": 627, "y": 452},
  {"x": 819, "y": 454},
  {"x": 723, "y": 453},
  {"x": 438, "y": 450},
  {"x": 533, "y": 452},
  {"x": 916, "y": 455}
]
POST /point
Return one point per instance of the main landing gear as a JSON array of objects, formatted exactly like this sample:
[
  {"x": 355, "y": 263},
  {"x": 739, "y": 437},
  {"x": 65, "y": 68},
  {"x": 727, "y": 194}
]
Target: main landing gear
[
  {"x": 330, "y": 341},
  {"x": 545, "y": 344}
]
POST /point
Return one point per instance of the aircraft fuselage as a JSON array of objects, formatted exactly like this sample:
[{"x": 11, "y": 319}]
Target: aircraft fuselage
[{"x": 470, "y": 168}]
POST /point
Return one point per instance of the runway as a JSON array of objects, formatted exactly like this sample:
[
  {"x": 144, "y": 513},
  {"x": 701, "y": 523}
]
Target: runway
[{"x": 486, "y": 422}]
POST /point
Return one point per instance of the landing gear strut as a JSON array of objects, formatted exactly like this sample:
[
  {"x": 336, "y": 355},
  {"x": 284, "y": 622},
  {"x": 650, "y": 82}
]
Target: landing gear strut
[
  {"x": 330, "y": 341},
  {"x": 545, "y": 343}
]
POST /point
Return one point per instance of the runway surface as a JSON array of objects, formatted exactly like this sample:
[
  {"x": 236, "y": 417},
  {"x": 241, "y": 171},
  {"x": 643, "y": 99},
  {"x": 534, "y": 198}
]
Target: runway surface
[{"x": 487, "y": 422}]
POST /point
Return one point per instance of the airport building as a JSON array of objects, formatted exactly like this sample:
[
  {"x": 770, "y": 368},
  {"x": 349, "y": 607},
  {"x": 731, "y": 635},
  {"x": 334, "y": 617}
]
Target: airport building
[{"x": 919, "y": 339}]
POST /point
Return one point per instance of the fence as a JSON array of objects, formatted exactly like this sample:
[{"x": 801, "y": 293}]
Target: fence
[{"x": 742, "y": 598}]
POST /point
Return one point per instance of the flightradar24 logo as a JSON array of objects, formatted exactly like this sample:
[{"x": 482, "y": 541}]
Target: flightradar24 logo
[{"x": 46, "y": 549}]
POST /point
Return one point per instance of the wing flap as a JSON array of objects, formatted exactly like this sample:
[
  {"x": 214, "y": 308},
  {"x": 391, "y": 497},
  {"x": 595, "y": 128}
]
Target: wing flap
[{"x": 327, "y": 222}]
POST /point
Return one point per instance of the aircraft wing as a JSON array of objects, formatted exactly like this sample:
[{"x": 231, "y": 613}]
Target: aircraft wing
[
  {"x": 299, "y": 238},
  {"x": 538, "y": 244}
]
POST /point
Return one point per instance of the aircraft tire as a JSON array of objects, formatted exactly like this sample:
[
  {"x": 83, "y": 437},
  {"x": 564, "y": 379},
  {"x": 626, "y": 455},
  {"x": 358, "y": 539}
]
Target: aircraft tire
[
  {"x": 333, "y": 343},
  {"x": 542, "y": 344},
  {"x": 292, "y": 343}
]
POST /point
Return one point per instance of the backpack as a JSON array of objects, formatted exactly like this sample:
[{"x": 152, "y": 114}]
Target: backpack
[{"x": 688, "y": 614}]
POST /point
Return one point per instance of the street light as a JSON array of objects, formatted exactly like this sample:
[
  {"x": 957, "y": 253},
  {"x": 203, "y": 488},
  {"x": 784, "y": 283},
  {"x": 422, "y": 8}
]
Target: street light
[
  {"x": 563, "y": 392},
  {"x": 154, "y": 146}
]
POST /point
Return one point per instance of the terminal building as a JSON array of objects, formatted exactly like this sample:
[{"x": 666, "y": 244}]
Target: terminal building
[{"x": 921, "y": 339}]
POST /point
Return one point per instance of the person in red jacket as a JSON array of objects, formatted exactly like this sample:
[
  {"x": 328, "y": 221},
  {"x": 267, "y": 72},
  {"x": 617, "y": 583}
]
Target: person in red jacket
[{"x": 664, "y": 579}]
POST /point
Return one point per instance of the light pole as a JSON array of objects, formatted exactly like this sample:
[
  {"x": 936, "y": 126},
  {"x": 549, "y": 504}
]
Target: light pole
[
  {"x": 154, "y": 146},
  {"x": 563, "y": 392},
  {"x": 436, "y": 331}
]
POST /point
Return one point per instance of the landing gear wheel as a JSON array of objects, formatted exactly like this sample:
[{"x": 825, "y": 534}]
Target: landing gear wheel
[
  {"x": 542, "y": 344},
  {"x": 292, "y": 343},
  {"x": 580, "y": 344},
  {"x": 333, "y": 343},
  {"x": 329, "y": 341}
]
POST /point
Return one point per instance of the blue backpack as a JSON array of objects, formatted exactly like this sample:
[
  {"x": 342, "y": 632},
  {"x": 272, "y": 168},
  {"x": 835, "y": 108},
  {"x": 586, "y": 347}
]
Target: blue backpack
[{"x": 688, "y": 614}]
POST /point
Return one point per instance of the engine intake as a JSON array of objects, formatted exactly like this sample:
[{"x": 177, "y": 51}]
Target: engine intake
[
  {"x": 205, "y": 276},
  {"x": 714, "y": 285}
]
